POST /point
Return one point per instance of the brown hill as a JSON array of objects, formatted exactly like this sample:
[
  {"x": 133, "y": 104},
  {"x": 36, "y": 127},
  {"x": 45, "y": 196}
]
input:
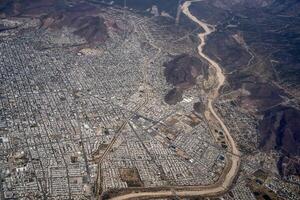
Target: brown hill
[
  {"x": 27, "y": 7},
  {"x": 182, "y": 73},
  {"x": 228, "y": 4},
  {"x": 288, "y": 166},
  {"x": 280, "y": 129},
  {"x": 92, "y": 28},
  {"x": 257, "y": 44},
  {"x": 183, "y": 70},
  {"x": 83, "y": 18},
  {"x": 173, "y": 96}
]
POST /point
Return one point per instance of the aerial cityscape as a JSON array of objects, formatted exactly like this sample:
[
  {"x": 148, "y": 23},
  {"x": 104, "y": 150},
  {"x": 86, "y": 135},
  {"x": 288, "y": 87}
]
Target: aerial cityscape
[{"x": 150, "y": 99}]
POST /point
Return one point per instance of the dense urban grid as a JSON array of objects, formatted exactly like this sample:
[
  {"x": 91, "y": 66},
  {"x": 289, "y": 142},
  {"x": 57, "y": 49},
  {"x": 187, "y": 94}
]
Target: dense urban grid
[{"x": 77, "y": 122}]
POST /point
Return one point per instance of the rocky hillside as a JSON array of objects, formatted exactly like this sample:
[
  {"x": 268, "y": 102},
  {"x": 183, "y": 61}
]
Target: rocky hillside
[
  {"x": 182, "y": 72},
  {"x": 83, "y": 18},
  {"x": 257, "y": 44},
  {"x": 280, "y": 130},
  {"x": 229, "y": 4}
]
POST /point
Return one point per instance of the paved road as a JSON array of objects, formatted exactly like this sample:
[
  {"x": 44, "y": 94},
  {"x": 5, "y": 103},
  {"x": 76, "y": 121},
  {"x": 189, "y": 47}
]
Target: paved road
[
  {"x": 126, "y": 121},
  {"x": 233, "y": 158}
]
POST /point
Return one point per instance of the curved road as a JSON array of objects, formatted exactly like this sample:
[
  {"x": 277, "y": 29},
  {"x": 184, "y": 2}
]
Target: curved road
[{"x": 233, "y": 157}]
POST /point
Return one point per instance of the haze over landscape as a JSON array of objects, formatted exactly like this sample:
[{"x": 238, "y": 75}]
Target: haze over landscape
[{"x": 150, "y": 99}]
